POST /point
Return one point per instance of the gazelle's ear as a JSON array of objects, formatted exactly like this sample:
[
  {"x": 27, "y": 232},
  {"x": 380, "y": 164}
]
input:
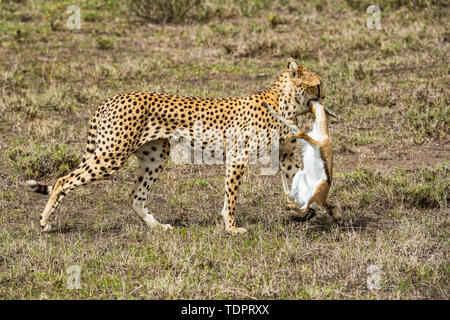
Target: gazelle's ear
[{"x": 293, "y": 67}]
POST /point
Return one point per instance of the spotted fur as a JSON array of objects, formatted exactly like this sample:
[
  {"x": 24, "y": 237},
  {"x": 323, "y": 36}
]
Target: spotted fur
[{"x": 141, "y": 123}]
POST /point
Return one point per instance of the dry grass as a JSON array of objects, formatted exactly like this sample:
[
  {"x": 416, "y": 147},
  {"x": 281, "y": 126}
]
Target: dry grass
[{"x": 390, "y": 87}]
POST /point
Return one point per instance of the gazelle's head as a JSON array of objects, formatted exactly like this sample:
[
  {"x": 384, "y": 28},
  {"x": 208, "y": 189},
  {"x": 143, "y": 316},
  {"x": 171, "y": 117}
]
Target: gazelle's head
[
  {"x": 304, "y": 84},
  {"x": 313, "y": 106}
]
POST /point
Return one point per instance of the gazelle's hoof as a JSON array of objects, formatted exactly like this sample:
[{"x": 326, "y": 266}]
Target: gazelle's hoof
[
  {"x": 302, "y": 216},
  {"x": 236, "y": 231},
  {"x": 309, "y": 215},
  {"x": 338, "y": 220},
  {"x": 335, "y": 213}
]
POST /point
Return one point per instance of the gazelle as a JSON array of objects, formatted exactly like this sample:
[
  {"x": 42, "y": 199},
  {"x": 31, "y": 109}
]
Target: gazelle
[{"x": 311, "y": 185}]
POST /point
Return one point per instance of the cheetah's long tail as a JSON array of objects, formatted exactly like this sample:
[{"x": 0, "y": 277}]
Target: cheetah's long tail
[
  {"x": 39, "y": 188},
  {"x": 90, "y": 149}
]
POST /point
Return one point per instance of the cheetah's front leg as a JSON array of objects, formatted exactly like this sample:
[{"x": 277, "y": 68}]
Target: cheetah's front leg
[{"x": 234, "y": 177}]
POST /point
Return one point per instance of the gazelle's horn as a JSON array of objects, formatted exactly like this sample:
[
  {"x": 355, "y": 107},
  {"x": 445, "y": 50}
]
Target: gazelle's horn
[
  {"x": 330, "y": 113},
  {"x": 327, "y": 111}
]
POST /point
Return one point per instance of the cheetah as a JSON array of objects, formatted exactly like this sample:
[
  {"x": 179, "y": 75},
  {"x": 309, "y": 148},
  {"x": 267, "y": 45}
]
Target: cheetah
[{"x": 142, "y": 123}]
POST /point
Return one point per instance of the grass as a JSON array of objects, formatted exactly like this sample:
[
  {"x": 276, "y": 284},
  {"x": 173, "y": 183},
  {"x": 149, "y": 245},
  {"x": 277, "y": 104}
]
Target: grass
[
  {"x": 391, "y": 166},
  {"x": 424, "y": 188}
]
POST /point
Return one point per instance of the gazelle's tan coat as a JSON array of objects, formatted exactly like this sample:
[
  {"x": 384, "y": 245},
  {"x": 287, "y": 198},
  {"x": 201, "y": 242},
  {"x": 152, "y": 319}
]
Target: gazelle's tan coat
[{"x": 311, "y": 185}]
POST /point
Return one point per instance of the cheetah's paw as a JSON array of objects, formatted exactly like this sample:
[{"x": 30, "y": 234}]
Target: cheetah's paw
[
  {"x": 236, "y": 231},
  {"x": 45, "y": 226},
  {"x": 166, "y": 227}
]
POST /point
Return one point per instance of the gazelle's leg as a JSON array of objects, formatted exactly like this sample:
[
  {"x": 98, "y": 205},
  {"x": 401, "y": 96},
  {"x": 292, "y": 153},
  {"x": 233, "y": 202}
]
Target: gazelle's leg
[
  {"x": 152, "y": 157},
  {"x": 312, "y": 197},
  {"x": 316, "y": 197},
  {"x": 299, "y": 135},
  {"x": 304, "y": 136}
]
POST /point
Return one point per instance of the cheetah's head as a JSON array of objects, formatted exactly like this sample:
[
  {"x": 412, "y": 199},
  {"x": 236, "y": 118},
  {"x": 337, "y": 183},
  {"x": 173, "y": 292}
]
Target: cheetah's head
[{"x": 305, "y": 84}]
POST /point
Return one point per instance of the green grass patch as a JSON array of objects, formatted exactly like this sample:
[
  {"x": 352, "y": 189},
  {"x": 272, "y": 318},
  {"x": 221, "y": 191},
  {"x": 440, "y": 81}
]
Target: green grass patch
[
  {"x": 36, "y": 161},
  {"x": 374, "y": 190}
]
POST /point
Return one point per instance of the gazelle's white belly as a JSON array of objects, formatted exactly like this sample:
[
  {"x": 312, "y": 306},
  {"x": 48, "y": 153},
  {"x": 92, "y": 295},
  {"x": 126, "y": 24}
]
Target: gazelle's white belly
[
  {"x": 306, "y": 181},
  {"x": 313, "y": 165}
]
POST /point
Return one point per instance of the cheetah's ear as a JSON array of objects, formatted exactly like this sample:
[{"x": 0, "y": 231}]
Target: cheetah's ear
[
  {"x": 293, "y": 68},
  {"x": 289, "y": 61}
]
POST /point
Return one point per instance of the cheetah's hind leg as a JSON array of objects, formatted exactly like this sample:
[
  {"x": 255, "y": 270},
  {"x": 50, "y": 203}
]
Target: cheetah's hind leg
[{"x": 92, "y": 169}]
